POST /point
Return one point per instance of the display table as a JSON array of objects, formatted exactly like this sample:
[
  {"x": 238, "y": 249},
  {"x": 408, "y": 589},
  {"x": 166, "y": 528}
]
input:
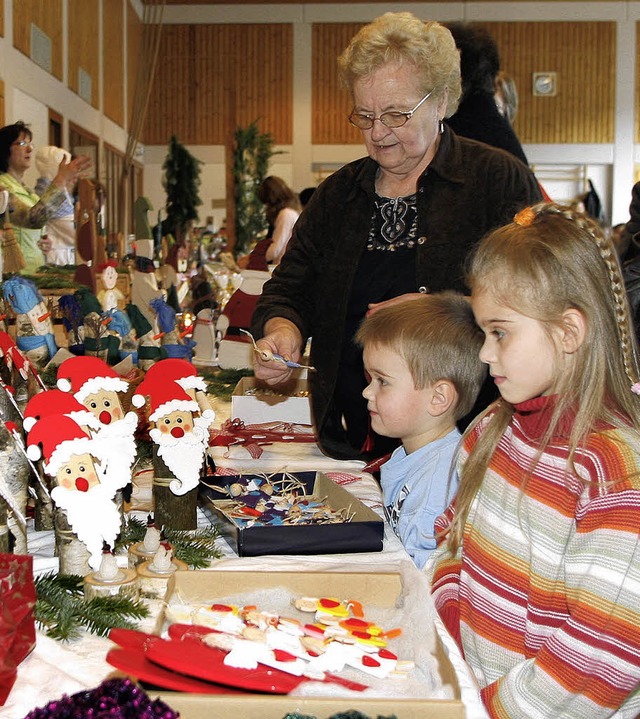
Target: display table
[{"x": 54, "y": 669}]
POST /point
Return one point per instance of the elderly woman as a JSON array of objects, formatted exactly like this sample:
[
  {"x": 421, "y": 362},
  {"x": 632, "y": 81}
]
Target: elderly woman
[
  {"x": 29, "y": 213},
  {"x": 397, "y": 222}
]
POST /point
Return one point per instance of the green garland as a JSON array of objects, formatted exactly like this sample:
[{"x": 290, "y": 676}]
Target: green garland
[
  {"x": 195, "y": 547},
  {"x": 63, "y": 612},
  {"x": 222, "y": 382}
]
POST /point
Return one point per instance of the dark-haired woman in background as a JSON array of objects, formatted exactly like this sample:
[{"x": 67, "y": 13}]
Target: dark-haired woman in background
[{"x": 29, "y": 213}]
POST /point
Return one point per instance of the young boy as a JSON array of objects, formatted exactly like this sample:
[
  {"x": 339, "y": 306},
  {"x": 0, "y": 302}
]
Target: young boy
[{"x": 422, "y": 361}]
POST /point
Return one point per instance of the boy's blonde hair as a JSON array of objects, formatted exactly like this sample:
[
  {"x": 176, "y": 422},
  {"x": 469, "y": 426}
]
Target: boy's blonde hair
[
  {"x": 437, "y": 337},
  {"x": 549, "y": 260}
]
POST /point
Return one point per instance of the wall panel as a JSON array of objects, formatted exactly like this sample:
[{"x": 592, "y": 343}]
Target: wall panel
[
  {"x": 637, "y": 88},
  {"x": 83, "y": 45},
  {"x": 331, "y": 103},
  {"x": 113, "y": 60},
  {"x": 583, "y": 54},
  {"x": 48, "y": 18},
  {"x": 134, "y": 43},
  {"x": 213, "y": 78}
]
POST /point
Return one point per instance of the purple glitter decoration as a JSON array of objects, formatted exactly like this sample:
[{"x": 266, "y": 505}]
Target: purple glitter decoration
[{"x": 113, "y": 699}]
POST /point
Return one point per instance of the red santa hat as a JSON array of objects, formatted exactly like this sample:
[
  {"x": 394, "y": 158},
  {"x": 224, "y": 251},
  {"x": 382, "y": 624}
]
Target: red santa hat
[
  {"x": 55, "y": 401},
  {"x": 56, "y": 439},
  {"x": 164, "y": 398},
  {"x": 178, "y": 370},
  {"x": 86, "y": 375}
]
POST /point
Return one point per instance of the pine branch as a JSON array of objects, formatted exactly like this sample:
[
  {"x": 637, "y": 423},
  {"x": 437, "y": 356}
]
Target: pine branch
[
  {"x": 195, "y": 547},
  {"x": 221, "y": 383},
  {"x": 63, "y": 612},
  {"x": 98, "y": 614}
]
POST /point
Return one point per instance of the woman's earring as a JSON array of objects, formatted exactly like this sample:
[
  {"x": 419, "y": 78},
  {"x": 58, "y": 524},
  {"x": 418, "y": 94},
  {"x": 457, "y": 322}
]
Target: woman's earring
[{"x": 441, "y": 128}]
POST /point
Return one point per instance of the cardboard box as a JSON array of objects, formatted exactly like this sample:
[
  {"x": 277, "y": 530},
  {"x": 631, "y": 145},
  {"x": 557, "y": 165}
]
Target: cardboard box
[
  {"x": 381, "y": 590},
  {"x": 268, "y": 405},
  {"x": 364, "y": 533}
]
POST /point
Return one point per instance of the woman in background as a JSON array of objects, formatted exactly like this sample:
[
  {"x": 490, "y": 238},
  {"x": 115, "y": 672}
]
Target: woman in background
[
  {"x": 29, "y": 213},
  {"x": 282, "y": 209}
]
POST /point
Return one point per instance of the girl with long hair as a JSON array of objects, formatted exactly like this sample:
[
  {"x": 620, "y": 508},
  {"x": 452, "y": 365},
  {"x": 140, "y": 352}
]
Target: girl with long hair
[{"x": 537, "y": 576}]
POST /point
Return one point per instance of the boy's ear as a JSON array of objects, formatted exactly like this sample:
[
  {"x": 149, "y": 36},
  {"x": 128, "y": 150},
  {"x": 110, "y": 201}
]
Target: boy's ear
[
  {"x": 574, "y": 330},
  {"x": 443, "y": 397}
]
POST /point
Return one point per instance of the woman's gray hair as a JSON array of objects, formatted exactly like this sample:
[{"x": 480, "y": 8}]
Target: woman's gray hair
[{"x": 401, "y": 37}]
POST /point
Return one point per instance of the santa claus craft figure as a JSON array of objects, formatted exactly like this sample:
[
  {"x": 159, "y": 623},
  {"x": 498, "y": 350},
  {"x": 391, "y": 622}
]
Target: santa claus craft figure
[
  {"x": 71, "y": 458},
  {"x": 181, "y": 371},
  {"x": 96, "y": 386},
  {"x": 179, "y": 431}
]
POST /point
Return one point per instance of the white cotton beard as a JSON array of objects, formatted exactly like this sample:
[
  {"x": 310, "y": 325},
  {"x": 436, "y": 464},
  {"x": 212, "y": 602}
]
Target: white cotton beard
[
  {"x": 116, "y": 449},
  {"x": 92, "y": 515},
  {"x": 183, "y": 456}
]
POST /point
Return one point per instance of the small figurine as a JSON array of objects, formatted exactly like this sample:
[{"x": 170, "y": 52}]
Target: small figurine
[
  {"x": 173, "y": 344},
  {"x": 110, "y": 297},
  {"x": 34, "y": 328}
]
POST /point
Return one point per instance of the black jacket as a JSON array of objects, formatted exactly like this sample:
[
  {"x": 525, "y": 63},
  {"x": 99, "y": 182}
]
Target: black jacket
[
  {"x": 478, "y": 118},
  {"x": 467, "y": 190}
]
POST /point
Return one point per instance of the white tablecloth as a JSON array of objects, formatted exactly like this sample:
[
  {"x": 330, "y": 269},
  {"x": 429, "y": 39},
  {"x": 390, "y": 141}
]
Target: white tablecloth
[{"x": 54, "y": 669}]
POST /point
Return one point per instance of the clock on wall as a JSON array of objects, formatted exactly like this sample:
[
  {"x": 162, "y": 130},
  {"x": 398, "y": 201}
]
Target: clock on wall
[{"x": 544, "y": 84}]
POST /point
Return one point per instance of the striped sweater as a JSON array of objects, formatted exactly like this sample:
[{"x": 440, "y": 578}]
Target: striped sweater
[{"x": 543, "y": 595}]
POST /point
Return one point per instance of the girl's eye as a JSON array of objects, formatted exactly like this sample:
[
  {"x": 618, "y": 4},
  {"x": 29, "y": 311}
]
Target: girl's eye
[
  {"x": 498, "y": 334},
  {"x": 382, "y": 382}
]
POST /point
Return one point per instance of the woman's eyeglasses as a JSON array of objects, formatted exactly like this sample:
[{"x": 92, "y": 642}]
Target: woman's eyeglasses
[
  {"x": 390, "y": 119},
  {"x": 23, "y": 143}
]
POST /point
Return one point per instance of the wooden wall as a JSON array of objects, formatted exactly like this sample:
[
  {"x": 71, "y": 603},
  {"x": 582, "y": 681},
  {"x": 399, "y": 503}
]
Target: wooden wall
[
  {"x": 331, "y": 103},
  {"x": 214, "y": 78},
  {"x": 113, "y": 59},
  {"x": 134, "y": 44},
  {"x": 48, "y": 17},
  {"x": 637, "y": 93},
  {"x": 583, "y": 54},
  {"x": 218, "y": 76},
  {"x": 84, "y": 44}
]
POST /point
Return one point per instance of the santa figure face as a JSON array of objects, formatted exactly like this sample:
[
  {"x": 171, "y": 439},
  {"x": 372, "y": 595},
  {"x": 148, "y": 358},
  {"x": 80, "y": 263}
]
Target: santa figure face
[
  {"x": 105, "y": 405},
  {"x": 177, "y": 424},
  {"x": 78, "y": 473},
  {"x": 40, "y": 319}
]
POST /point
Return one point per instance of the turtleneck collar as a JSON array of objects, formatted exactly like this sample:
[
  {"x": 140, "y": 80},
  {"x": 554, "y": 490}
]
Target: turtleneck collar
[{"x": 534, "y": 416}]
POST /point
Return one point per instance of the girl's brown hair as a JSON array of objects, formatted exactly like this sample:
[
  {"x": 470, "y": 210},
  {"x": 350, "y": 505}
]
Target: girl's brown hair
[{"x": 549, "y": 260}]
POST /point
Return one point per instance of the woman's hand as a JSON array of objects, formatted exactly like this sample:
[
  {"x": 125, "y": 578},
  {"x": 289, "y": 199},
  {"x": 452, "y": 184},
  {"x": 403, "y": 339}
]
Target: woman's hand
[
  {"x": 375, "y": 306},
  {"x": 281, "y": 337},
  {"x": 70, "y": 172}
]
